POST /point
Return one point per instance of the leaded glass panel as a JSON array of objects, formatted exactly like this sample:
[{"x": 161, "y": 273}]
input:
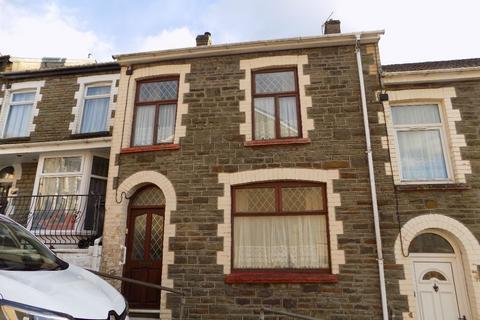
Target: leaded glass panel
[
  {"x": 273, "y": 82},
  {"x": 159, "y": 90},
  {"x": 302, "y": 199},
  {"x": 255, "y": 200},
  {"x": 150, "y": 196},
  {"x": 138, "y": 248},
  {"x": 156, "y": 242}
]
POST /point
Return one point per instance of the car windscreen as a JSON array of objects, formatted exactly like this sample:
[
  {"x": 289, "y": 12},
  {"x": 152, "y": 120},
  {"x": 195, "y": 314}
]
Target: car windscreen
[{"x": 21, "y": 251}]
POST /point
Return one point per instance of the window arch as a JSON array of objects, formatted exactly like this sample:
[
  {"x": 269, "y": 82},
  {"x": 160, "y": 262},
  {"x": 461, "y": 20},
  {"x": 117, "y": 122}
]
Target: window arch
[
  {"x": 280, "y": 225},
  {"x": 430, "y": 243},
  {"x": 148, "y": 196}
]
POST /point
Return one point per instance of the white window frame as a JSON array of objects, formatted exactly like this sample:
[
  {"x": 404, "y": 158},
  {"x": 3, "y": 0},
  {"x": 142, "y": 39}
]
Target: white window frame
[
  {"x": 424, "y": 127},
  {"x": 20, "y": 87},
  {"x": 85, "y": 98},
  {"x": 81, "y": 96}
]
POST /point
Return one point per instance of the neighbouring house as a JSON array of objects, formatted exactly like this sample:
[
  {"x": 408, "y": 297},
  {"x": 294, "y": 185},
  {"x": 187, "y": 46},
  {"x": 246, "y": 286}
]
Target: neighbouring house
[
  {"x": 430, "y": 186},
  {"x": 55, "y": 134},
  {"x": 238, "y": 175}
]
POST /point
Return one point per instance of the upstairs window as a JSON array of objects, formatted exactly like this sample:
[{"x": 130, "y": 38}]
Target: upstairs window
[
  {"x": 96, "y": 102},
  {"x": 155, "y": 112},
  {"x": 19, "y": 114},
  {"x": 421, "y": 142},
  {"x": 281, "y": 225},
  {"x": 276, "y": 107}
]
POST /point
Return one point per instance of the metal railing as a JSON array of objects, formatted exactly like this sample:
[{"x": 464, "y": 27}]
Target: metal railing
[
  {"x": 263, "y": 310},
  {"x": 58, "y": 219},
  {"x": 148, "y": 285}
]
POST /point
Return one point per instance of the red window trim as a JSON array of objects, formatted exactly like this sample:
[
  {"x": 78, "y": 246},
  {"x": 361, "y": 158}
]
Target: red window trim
[
  {"x": 156, "y": 147},
  {"x": 276, "y": 96},
  {"x": 280, "y": 277},
  {"x": 274, "y": 142},
  {"x": 156, "y": 103},
  {"x": 278, "y": 185}
]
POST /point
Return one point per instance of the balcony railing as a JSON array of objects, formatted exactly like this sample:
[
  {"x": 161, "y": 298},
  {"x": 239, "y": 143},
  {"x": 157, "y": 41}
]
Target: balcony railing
[{"x": 58, "y": 219}]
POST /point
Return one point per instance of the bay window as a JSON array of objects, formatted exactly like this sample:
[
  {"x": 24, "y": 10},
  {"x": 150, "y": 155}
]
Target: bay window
[
  {"x": 276, "y": 109},
  {"x": 281, "y": 225},
  {"x": 155, "y": 112},
  {"x": 19, "y": 114},
  {"x": 421, "y": 142},
  {"x": 96, "y": 106}
]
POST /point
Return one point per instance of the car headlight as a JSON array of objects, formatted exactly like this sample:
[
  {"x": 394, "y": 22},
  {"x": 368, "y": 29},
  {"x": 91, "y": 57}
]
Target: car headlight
[{"x": 15, "y": 311}]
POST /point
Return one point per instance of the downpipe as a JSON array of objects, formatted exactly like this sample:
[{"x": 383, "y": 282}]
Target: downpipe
[{"x": 371, "y": 173}]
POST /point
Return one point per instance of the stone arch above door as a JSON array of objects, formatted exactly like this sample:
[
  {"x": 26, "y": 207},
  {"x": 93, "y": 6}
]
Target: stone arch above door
[
  {"x": 116, "y": 217},
  {"x": 458, "y": 235}
]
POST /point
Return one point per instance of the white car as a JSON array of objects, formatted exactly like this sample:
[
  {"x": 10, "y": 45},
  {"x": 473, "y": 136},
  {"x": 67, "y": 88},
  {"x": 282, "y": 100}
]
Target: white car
[{"x": 36, "y": 285}]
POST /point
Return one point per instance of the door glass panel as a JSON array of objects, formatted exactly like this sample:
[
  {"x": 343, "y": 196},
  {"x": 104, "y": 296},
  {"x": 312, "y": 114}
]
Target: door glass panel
[
  {"x": 139, "y": 237},
  {"x": 156, "y": 242},
  {"x": 434, "y": 274}
]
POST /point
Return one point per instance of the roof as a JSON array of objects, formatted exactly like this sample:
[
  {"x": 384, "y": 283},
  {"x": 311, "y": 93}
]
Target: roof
[
  {"x": 251, "y": 46},
  {"x": 432, "y": 65},
  {"x": 85, "y": 68}
]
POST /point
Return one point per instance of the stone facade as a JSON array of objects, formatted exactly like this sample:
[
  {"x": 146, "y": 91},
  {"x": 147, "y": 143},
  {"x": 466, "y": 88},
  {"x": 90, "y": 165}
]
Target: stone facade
[
  {"x": 195, "y": 259},
  {"x": 448, "y": 209}
]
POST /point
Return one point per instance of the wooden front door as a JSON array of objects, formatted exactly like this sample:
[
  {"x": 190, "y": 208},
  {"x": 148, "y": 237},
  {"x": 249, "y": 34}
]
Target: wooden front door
[{"x": 144, "y": 257}]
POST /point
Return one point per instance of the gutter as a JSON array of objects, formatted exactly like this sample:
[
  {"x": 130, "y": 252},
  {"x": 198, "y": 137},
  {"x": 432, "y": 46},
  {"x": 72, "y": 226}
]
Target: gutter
[
  {"x": 329, "y": 40},
  {"x": 434, "y": 75},
  {"x": 371, "y": 173},
  {"x": 48, "y": 146}
]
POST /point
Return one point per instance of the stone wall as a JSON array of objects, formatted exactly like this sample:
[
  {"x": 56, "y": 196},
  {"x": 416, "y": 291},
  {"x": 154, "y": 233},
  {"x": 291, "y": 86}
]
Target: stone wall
[{"x": 213, "y": 146}]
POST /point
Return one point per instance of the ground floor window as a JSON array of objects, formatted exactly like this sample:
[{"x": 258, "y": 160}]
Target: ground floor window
[{"x": 280, "y": 225}]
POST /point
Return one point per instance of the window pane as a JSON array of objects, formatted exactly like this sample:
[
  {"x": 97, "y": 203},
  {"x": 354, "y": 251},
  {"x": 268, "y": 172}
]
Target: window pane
[
  {"x": 139, "y": 230},
  {"x": 161, "y": 90},
  {"x": 280, "y": 242},
  {"x": 94, "y": 91},
  {"x": 288, "y": 117},
  {"x": 255, "y": 200},
  {"x": 66, "y": 164},
  {"x": 100, "y": 166},
  {"x": 23, "y": 96},
  {"x": 166, "y": 123},
  {"x": 95, "y": 113},
  {"x": 156, "y": 242},
  {"x": 264, "y": 118},
  {"x": 59, "y": 185},
  {"x": 275, "y": 82},
  {"x": 18, "y": 120},
  {"x": 302, "y": 199},
  {"x": 144, "y": 122},
  {"x": 421, "y": 155},
  {"x": 430, "y": 243},
  {"x": 150, "y": 196},
  {"x": 416, "y": 114}
]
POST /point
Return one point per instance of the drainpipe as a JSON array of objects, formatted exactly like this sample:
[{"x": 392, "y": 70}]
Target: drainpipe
[
  {"x": 96, "y": 254},
  {"x": 371, "y": 173}
]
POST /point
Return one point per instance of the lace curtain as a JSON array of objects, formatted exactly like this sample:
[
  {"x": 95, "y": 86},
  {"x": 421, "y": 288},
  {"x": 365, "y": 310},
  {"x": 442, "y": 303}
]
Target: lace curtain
[
  {"x": 18, "y": 121},
  {"x": 95, "y": 113}
]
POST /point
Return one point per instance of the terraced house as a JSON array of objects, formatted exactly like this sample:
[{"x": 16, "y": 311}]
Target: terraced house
[
  {"x": 295, "y": 174},
  {"x": 55, "y": 133}
]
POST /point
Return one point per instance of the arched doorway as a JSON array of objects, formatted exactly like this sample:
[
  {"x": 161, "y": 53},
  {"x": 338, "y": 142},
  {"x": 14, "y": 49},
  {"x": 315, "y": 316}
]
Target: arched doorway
[
  {"x": 439, "y": 278},
  {"x": 144, "y": 242},
  {"x": 7, "y": 176}
]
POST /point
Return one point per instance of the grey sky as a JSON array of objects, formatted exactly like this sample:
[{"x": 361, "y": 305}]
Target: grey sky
[{"x": 418, "y": 30}]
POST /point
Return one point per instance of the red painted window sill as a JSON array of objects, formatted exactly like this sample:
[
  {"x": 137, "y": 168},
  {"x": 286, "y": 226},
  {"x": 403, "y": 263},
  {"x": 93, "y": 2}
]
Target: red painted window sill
[
  {"x": 280, "y": 277},
  {"x": 260, "y": 143},
  {"x": 159, "y": 147}
]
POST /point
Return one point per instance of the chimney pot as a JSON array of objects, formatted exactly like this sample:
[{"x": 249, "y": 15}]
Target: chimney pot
[
  {"x": 204, "y": 39},
  {"x": 332, "y": 26}
]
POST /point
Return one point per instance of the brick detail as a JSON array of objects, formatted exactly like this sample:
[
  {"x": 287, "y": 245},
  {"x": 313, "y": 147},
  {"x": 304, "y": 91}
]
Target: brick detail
[
  {"x": 224, "y": 203},
  {"x": 459, "y": 235},
  {"x": 116, "y": 221},
  {"x": 455, "y": 141},
  {"x": 270, "y": 62}
]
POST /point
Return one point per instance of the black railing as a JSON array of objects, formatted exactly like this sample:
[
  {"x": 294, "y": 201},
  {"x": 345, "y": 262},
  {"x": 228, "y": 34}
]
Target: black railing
[{"x": 58, "y": 219}]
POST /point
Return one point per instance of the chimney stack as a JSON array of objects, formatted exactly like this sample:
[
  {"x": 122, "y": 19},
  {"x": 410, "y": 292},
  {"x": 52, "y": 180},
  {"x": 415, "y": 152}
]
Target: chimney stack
[
  {"x": 332, "y": 26},
  {"x": 204, "y": 39}
]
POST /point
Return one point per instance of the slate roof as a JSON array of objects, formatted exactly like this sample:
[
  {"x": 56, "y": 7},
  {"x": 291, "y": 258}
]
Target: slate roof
[{"x": 432, "y": 65}]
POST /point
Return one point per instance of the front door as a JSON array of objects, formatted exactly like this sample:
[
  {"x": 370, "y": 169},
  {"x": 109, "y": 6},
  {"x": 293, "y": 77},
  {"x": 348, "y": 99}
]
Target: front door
[
  {"x": 437, "y": 290},
  {"x": 144, "y": 257}
]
